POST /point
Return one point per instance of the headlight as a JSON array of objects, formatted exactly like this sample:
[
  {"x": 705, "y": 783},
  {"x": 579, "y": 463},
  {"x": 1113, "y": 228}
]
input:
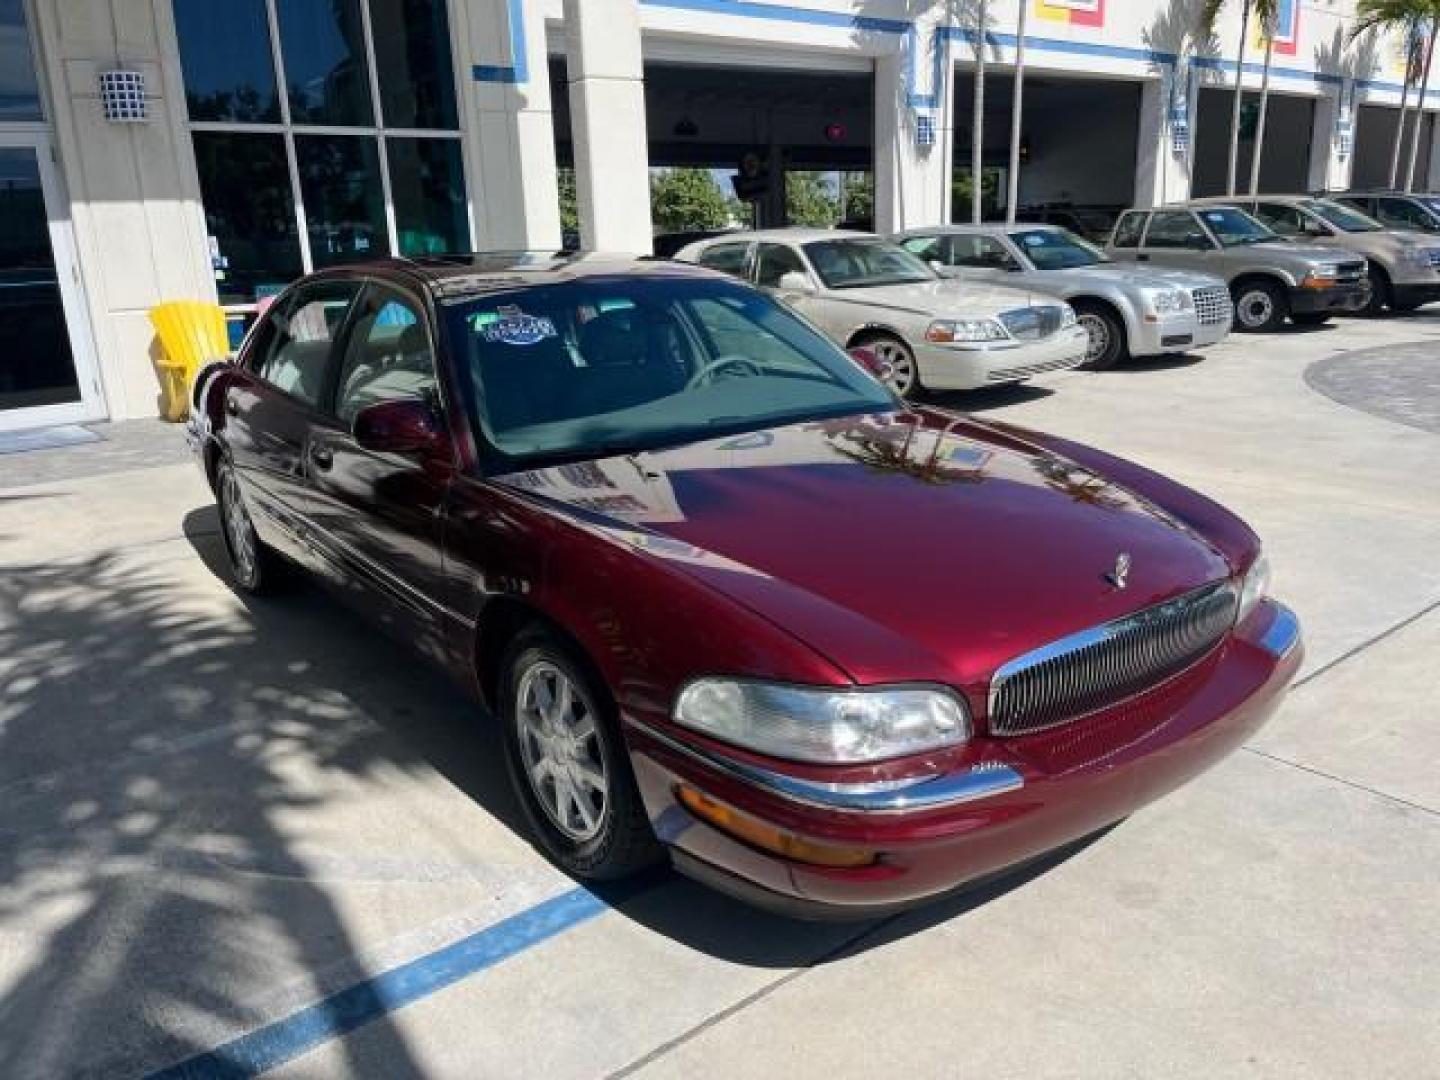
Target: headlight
[
  {"x": 1322, "y": 275},
  {"x": 1067, "y": 316},
  {"x": 829, "y": 727},
  {"x": 945, "y": 331},
  {"x": 1256, "y": 585},
  {"x": 1167, "y": 301}
]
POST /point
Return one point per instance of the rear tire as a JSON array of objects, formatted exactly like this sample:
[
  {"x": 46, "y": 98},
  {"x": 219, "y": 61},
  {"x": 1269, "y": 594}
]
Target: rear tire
[
  {"x": 255, "y": 567},
  {"x": 1260, "y": 306},
  {"x": 1107, "y": 346},
  {"x": 568, "y": 763},
  {"x": 1311, "y": 318},
  {"x": 904, "y": 376}
]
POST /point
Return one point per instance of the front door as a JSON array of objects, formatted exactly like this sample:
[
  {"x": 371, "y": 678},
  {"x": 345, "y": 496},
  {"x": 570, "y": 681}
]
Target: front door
[{"x": 47, "y": 371}]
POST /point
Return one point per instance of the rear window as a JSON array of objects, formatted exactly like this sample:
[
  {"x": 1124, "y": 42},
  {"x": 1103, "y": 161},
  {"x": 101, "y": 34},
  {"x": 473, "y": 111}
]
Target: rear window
[{"x": 1127, "y": 232}]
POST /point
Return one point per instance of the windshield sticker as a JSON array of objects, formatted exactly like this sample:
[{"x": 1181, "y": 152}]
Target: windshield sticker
[
  {"x": 1034, "y": 240},
  {"x": 1215, "y": 216},
  {"x": 511, "y": 326}
]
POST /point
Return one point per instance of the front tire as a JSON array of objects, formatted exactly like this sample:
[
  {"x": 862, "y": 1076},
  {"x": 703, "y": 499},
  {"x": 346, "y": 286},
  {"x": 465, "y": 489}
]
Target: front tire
[
  {"x": 1260, "y": 307},
  {"x": 568, "y": 764},
  {"x": 1382, "y": 293},
  {"x": 254, "y": 566},
  {"x": 904, "y": 377},
  {"x": 1107, "y": 346}
]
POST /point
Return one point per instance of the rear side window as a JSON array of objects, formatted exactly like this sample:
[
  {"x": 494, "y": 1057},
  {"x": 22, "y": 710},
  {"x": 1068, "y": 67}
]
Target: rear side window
[
  {"x": 727, "y": 258},
  {"x": 1175, "y": 229},
  {"x": 1127, "y": 232},
  {"x": 301, "y": 339}
]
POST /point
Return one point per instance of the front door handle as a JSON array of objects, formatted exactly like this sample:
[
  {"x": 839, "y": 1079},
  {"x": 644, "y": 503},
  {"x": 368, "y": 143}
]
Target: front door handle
[
  {"x": 322, "y": 457},
  {"x": 232, "y": 406},
  {"x": 1142, "y": 258}
]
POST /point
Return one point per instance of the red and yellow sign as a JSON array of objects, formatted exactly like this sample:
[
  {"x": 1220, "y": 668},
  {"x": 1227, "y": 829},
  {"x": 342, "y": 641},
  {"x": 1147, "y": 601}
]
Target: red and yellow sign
[{"x": 1074, "y": 12}]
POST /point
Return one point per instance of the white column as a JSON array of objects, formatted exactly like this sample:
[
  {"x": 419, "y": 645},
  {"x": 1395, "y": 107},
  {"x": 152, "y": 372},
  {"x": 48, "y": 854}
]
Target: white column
[
  {"x": 912, "y": 181},
  {"x": 509, "y": 123},
  {"x": 1331, "y": 160},
  {"x": 1162, "y": 175},
  {"x": 1427, "y": 171},
  {"x": 607, "y": 124}
]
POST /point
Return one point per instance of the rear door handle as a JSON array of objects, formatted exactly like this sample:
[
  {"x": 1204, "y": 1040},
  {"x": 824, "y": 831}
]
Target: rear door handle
[{"x": 322, "y": 457}]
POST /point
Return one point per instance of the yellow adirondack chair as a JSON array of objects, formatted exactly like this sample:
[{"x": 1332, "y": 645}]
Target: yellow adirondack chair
[{"x": 191, "y": 334}]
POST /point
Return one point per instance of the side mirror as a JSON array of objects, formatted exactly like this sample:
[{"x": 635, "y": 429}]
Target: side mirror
[
  {"x": 871, "y": 362},
  {"x": 796, "y": 282},
  {"x": 400, "y": 427}
]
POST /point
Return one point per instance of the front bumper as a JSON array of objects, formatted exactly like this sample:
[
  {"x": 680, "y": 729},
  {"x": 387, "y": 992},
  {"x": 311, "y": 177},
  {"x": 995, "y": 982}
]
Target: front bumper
[
  {"x": 1014, "y": 800},
  {"x": 973, "y": 365},
  {"x": 1176, "y": 333},
  {"x": 1336, "y": 298}
]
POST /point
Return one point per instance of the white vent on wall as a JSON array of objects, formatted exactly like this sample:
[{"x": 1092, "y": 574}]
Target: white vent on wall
[{"x": 122, "y": 93}]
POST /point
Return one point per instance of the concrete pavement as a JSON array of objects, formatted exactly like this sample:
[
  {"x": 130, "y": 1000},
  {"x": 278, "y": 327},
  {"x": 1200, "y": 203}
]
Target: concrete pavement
[{"x": 219, "y": 811}]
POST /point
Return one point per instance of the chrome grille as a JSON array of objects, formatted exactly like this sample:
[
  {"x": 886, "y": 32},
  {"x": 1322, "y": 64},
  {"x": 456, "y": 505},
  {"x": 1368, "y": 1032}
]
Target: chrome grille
[
  {"x": 1349, "y": 271},
  {"x": 1110, "y": 663},
  {"x": 1032, "y": 323},
  {"x": 1212, "y": 304}
]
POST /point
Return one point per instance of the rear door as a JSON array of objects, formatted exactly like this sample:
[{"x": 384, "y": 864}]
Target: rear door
[
  {"x": 380, "y": 516},
  {"x": 272, "y": 405}
]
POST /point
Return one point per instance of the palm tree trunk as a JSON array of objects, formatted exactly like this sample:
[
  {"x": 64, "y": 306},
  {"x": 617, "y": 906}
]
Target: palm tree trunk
[
  {"x": 1017, "y": 111},
  {"x": 1258, "y": 149},
  {"x": 1235, "y": 106},
  {"x": 1420, "y": 111},
  {"x": 977, "y": 126},
  {"x": 1404, "y": 111}
]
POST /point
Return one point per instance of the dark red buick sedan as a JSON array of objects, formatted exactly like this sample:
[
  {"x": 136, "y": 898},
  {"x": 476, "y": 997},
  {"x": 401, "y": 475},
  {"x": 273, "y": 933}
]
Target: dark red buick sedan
[{"x": 731, "y": 601}]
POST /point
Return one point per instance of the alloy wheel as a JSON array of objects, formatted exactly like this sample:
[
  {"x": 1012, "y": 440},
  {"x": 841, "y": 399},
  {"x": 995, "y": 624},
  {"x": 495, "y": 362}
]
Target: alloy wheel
[
  {"x": 1099, "y": 331},
  {"x": 239, "y": 531},
  {"x": 901, "y": 363},
  {"x": 1255, "y": 309},
  {"x": 560, "y": 750}
]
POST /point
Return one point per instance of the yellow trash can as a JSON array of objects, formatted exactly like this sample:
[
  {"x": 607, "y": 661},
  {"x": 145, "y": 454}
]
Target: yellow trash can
[{"x": 191, "y": 334}]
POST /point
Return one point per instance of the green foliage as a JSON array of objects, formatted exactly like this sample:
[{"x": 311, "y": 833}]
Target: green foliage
[
  {"x": 685, "y": 199},
  {"x": 857, "y": 196},
  {"x": 809, "y": 201},
  {"x": 569, "y": 205}
]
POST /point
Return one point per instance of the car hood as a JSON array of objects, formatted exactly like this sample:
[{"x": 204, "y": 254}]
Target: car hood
[
  {"x": 948, "y": 298},
  {"x": 1310, "y": 254},
  {"x": 1144, "y": 277},
  {"x": 901, "y": 546},
  {"x": 1391, "y": 242}
]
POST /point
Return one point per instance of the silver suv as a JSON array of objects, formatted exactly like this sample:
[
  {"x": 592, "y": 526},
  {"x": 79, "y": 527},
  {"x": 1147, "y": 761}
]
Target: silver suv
[
  {"x": 1404, "y": 266},
  {"x": 1270, "y": 278},
  {"x": 1127, "y": 310}
]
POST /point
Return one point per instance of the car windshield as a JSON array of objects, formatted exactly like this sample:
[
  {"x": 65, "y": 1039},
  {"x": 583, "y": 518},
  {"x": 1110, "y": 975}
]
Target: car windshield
[
  {"x": 1342, "y": 217},
  {"x": 857, "y": 264},
  {"x": 1233, "y": 227},
  {"x": 614, "y": 365},
  {"x": 1056, "y": 249},
  {"x": 1431, "y": 204}
]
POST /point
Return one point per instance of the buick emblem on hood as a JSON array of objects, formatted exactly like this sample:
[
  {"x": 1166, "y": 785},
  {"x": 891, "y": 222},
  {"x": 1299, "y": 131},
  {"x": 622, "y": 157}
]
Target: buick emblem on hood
[{"x": 1117, "y": 577}]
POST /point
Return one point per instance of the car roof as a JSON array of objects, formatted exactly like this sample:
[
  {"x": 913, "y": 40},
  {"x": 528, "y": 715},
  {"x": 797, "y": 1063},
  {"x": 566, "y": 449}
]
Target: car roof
[
  {"x": 1229, "y": 200},
  {"x": 478, "y": 273},
  {"x": 984, "y": 228},
  {"x": 796, "y": 235}
]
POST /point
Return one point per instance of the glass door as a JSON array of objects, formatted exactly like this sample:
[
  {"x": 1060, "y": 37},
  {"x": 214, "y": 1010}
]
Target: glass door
[{"x": 46, "y": 368}]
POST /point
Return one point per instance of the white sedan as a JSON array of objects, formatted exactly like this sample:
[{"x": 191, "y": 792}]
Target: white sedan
[{"x": 930, "y": 332}]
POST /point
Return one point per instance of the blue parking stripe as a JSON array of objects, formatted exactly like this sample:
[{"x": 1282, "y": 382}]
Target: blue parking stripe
[{"x": 352, "y": 1008}]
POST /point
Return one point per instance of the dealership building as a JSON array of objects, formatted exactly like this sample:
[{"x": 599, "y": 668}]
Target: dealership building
[{"x": 154, "y": 150}]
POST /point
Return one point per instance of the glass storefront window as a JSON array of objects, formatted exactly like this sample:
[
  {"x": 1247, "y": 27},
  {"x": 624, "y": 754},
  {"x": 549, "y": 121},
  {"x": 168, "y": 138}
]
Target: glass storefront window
[
  {"x": 412, "y": 59},
  {"x": 328, "y": 80},
  {"x": 334, "y": 146},
  {"x": 249, "y": 212},
  {"x": 344, "y": 203},
  {"x": 225, "y": 55},
  {"x": 19, "y": 90},
  {"x": 427, "y": 186}
]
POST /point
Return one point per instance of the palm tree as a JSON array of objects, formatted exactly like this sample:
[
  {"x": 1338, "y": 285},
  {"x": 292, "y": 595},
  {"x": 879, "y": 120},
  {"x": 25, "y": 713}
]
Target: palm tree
[
  {"x": 1267, "y": 12},
  {"x": 1017, "y": 109},
  {"x": 1267, "y": 28},
  {"x": 977, "y": 124},
  {"x": 1407, "y": 17}
]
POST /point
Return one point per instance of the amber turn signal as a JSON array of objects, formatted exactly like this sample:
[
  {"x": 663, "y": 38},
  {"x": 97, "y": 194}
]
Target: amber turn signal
[{"x": 767, "y": 837}]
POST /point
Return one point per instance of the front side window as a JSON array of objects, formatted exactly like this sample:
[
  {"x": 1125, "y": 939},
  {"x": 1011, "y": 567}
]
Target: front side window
[
  {"x": 301, "y": 337},
  {"x": 1234, "y": 227},
  {"x": 587, "y": 369},
  {"x": 929, "y": 248},
  {"x": 387, "y": 357},
  {"x": 1344, "y": 218},
  {"x": 1127, "y": 232},
  {"x": 371, "y": 161},
  {"x": 1285, "y": 220},
  {"x": 857, "y": 264},
  {"x": 1056, "y": 249},
  {"x": 773, "y": 262},
  {"x": 1175, "y": 229},
  {"x": 979, "y": 252},
  {"x": 1402, "y": 214}
]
